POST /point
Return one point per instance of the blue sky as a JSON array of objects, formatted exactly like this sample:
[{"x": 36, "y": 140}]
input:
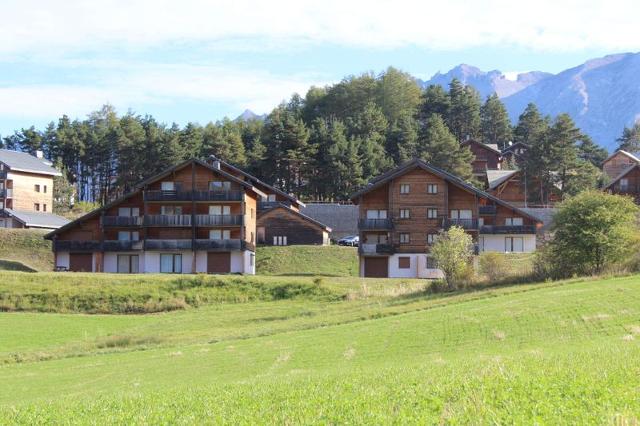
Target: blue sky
[{"x": 203, "y": 60}]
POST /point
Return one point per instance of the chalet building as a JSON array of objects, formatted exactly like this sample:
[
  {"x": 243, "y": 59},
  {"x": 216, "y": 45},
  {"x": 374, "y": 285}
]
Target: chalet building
[
  {"x": 485, "y": 157},
  {"x": 194, "y": 217},
  {"x": 26, "y": 191},
  {"x": 618, "y": 162},
  {"x": 402, "y": 211},
  {"x": 280, "y": 221},
  {"x": 627, "y": 182},
  {"x": 515, "y": 152},
  {"x": 510, "y": 186}
]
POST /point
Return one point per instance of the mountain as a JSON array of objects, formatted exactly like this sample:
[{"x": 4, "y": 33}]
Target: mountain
[
  {"x": 487, "y": 83},
  {"x": 602, "y": 95},
  {"x": 249, "y": 115}
]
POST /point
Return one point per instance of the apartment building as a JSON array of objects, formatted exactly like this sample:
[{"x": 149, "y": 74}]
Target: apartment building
[
  {"x": 402, "y": 211},
  {"x": 485, "y": 157},
  {"x": 192, "y": 218},
  {"x": 280, "y": 221},
  {"x": 26, "y": 191}
]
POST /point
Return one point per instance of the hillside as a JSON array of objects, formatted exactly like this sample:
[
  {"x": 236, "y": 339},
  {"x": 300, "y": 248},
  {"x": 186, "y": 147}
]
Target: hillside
[
  {"x": 526, "y": 354},
  {"x": 307, "y": 260},
  {"x": 25, "y": 250}
]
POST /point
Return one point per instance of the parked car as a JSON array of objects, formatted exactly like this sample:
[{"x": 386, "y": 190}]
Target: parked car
[{"x": 352, "y": 240}]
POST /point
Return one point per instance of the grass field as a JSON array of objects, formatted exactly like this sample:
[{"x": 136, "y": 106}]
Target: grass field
[
  {"x": 25, "y": 250},
  {"x": 335, "y": 261},
  {"x": 363, "y": 351}
]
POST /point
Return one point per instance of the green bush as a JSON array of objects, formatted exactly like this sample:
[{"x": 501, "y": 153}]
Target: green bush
[{"x": 494, "y": 266}]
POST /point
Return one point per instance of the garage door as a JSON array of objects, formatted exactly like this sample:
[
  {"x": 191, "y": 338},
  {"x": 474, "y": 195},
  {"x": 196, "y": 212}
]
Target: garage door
[
  {"x": 218, "y": 263},
  {"x": 81, "y": 262},
  {"x": 376, "y": 267}
]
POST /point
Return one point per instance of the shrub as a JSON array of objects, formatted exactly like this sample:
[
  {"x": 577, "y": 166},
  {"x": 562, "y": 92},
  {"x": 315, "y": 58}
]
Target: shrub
[
  {"x": 453, "y": 253},
  {"x": 494, "y": 266}
]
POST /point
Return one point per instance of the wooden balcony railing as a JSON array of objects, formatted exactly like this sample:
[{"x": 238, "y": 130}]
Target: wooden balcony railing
[
  {"x": 508, "y": 229},
  {"x": 487, "y": 210},
  {"x": 463, "y": 223},
  {"x": 178, "y": 220},
  {"x": 76, "y": 245},
  {"x": 374, "y": 224},
  {"x": 167, "y": 245},
  {"x": 120, "y": 245},
  {"x": 122, "y": 221},
  {"x": 3, "y": 174},
  {"x": 222, "y": 245},
  {"x": 168, "y": 195},
  {"x": 219, "y": 220},
  {"x": 224, "y": 195}
]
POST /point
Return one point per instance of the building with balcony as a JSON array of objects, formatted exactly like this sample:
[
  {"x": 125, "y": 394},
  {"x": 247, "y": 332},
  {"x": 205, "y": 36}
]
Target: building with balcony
[
  {"x": 402, "y": 212},
  {"x": 280, "y": 221},
  {"x": 26, "y": 191},
  {"x": 191, "y": 218}
]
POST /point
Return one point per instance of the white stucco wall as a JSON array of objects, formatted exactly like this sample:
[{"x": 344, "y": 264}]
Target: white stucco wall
[
  {"x": 496, "y": 243},
  {"x": 418, "y": 267}
]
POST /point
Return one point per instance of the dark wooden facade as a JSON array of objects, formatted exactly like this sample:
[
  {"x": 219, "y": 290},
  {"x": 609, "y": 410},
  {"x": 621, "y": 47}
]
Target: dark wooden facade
[
  {"x": 485, "y": 157},
  {"x": 283, "y": 225}
]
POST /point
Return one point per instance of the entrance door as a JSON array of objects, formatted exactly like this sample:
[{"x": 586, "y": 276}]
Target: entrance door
[
  {"x": 376, "y": 267},
  {"x": 218, "y": 263},
  {"x": 81, "y": 262}
]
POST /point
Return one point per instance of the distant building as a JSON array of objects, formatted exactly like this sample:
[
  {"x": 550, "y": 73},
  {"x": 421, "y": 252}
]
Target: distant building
[
  {"x": 26, "y": 191},
  {"x": 485, "y": 157},
  {"x": 618, "y": 162}
]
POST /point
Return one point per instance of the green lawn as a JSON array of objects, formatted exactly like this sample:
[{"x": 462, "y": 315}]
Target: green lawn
[
  {"x": 336, "y": 261},
  {"x": 383, "y": 352}
]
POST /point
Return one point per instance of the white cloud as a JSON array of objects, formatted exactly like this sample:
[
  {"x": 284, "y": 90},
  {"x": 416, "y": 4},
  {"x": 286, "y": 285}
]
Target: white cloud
[
  {"x": 44, "y": 26},
  {"x": 124, "y": 85}
]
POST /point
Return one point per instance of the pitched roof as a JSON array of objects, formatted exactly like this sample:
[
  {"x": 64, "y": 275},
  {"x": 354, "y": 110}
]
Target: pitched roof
[
  {"x": 621, "y": 151},
  {"x": 402, "y": 169},
  {"x": 255, "y": 180},
  {"x": 288, "y": 209},
  {"x": 342, "y": 218},
  {"x": 512, "y": 146},
  {"x": 141, "y": 185},
  {"x": 497, "y": 177},
  {"x": 488, "y": 146},
  {"x": 37, "y": 219},
  {"x": 25, "y": 162},
  {"x": 622, "y": 174}
]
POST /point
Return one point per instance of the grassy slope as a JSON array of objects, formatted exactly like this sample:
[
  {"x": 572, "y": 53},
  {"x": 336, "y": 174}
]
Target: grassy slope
[
  {"x": 307, "y": 260},
  {"x": 545, "y": 353},
  {"x": 26, "y": 247}
]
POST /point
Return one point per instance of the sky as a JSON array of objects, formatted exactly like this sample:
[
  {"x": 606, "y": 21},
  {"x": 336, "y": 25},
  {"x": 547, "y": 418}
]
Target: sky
[{"x": 200, "y": 61}]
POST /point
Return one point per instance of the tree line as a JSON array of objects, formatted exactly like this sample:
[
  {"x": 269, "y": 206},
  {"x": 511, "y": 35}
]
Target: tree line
[{"x": 322, "y": 146}]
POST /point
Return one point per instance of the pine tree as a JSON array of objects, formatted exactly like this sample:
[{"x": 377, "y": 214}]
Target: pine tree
[
  {"x": 530, "y": 125},
  {"x": 495, "y": 123},
  {"x": 463, "y": 119},
  {"x": 435, "y": 100},
  {"x": 439, "y": 147},
  {"x": 630, "y": 138},
  {"x": 403, "y": 138}
]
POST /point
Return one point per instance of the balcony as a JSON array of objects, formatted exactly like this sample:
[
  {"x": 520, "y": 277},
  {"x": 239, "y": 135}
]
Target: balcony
[
  {"x": 376, "y": 249},
  {"x": 167, "y": 245},
  {"x": 120, "y": 245},
  {"x": 375, "y": 224},
  {"x": 179, "y": 220},
  {"x": 221, "y": 245},
  {"x": 463, "y": 223},
  {"x": 219, "y": 220},
  {"x": 508, "y": 229},
  {"x": 487, "y": 210},
  {"x": 121, "y": 221},
  {"x": 3, "y": 174},
  {"x": 264, "y": 205},
  {"x": 6, "y": 193},
  {"x": 167, "y": 195},
  {"x": 228, "y": 195},
  {"x": 76, "y": 245}
]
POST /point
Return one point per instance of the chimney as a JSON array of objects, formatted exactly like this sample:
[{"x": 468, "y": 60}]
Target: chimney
[
  {"x": 39, "y": 154},
  {"x": 213, "y": 160}
]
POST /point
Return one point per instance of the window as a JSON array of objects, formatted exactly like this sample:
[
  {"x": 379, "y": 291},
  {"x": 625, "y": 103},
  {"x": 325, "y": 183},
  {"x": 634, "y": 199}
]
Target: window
[
  {"x": 404, "y": 188},
  {"x": 376, "y": 214},
  {"x": 431, "y": 263},
  {"x": 252, "y": 259},
  {"x": 461, "y": 214},
  {"x": 376, "y": 239},
  {"x": 404, "y": 238},
  {"x": 219, "y": 234},
  {"x": 44, "y": 207},
  {"x": 128, "y": 211},
  {"x": 432, "y": 188},
  {"x": 36, "y": 188},
  {"x": 128, "y": 264},
  {"x": 167, "y": 186},
  {"x": 252, "y": 238},
  {"x": 45, "y": 189},
  {"x": 171, "y": 210},
  {"x": 513, "y": 221},
  {"x": 404, "y": 214},
  {"x": 171, "y": 263},
  {"x": 432, "y": 213},
  {"x": 513, "y": 245},
  {"x": 280, "y": 241},
  {"x": 219, "y": 185},
  {"x": 271, "y": 197},
  {"x": 219, "y": 210},
  {"x": 128, "y": 236},
  {"x": 252, "y": 213},
  {"x": 624, "y": 184},
  {"x": 36, "y": 207},
  {"x": 431, "y": 238},
  {"x": 404, "y": 262}
]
